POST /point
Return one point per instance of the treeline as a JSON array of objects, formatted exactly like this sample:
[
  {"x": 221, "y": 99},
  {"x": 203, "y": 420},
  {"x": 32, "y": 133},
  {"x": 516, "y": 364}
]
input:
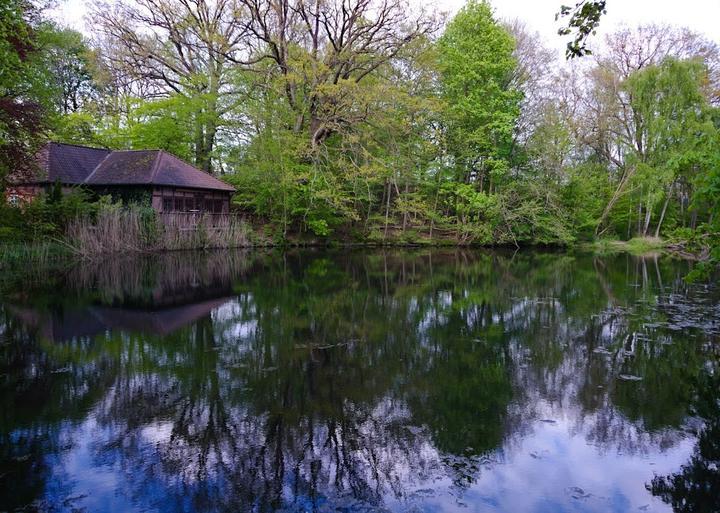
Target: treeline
[{"x": 373, "y": 121}]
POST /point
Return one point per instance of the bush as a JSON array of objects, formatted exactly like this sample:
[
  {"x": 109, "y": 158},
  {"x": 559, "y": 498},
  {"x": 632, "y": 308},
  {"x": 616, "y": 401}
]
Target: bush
[
  {"x": 319, "y": 227},
  {"x": 45, "y": 217}
]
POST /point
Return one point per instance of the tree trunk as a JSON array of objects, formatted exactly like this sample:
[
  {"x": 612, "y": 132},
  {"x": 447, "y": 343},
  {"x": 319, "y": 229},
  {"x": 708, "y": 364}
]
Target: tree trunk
[
  {"x": 629, "y": 226},
  {"x": 387, "y": 208},
  {"x": 682, "y": 207},
  {"x": 199, "y": 143},
  {"x": 662, "y": 213},
  {"x": 210, "y": 132},
  {"x": 615, "y": 197},
  {"x": 648, "y": 216},
  {"x": 404, "y": 224}
]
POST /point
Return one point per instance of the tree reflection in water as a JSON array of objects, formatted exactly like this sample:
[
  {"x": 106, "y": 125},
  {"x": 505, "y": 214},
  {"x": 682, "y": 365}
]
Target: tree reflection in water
[
  {"x": 696, "y": 487},
  {"x": 365, "y": 380}
]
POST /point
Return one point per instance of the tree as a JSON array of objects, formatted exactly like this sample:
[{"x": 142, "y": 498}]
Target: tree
[
  {"x": 675, "y": 135},
  {"x": 178, "y": 47},
  {"x": 70, "y": 62},
  {"x": 322, "y": 51},
  {"x": 609, "y": 129},
  {"x": 477, "y": 68},
  {"x": 23, "y": 93},
  {"x": 532, "y": 75},
  {"x": 362, "y": 169}
]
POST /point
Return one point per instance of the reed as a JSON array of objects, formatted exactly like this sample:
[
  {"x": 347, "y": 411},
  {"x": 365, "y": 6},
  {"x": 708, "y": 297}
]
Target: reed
[
  {"x": 141, "y": 230},
  {"x": 35, "y": 253}
]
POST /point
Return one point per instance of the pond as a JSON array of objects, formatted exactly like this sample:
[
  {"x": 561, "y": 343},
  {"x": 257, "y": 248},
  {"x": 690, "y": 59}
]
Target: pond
[{"x": 363, "y": 381}]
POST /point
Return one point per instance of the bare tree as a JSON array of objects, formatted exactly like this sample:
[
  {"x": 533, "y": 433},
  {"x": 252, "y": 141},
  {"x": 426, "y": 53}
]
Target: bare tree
[
  {"x": 322, "y": 48},
  {"x": 179, "y": 47},
  {"x": 533, "y": 75}
]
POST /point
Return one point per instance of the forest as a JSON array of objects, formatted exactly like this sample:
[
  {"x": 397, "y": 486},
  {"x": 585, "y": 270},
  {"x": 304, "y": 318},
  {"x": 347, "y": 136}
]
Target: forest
[{"x": 375, "y": 121}]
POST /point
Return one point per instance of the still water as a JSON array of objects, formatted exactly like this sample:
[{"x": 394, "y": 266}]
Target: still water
[{"x": 361, "y": 381}]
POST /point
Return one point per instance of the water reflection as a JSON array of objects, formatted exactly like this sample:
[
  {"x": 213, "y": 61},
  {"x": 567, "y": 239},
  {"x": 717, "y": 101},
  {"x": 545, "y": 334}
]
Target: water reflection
[
  {"x": 695, "y": 487},
  {"x": 365, "y": 381}
]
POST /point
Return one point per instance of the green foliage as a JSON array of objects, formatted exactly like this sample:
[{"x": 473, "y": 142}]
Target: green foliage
[
  {"x": 163, "y": 124},
  {"x": 583, "y": 20},
  {"x": 682, "y": 140},
  {"x": 46, "y": 217},
  {"x": 271, "y": 177},
  {"x": 154, "y": 124},
  {"x": 24, "y": 91},
  {"x": 468, "y": 138},
  {"x": 69, "y": 60},
  {"x": 584, "y": 196},
  {"x": 476, "y": 64}
]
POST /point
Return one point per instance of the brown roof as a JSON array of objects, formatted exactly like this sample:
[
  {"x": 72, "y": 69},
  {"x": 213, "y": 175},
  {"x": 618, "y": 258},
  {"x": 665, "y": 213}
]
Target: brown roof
[
  {"x": 76, "y": 165},
  {"x": 68, "y": 163},
  {"x": 154, "y": 167}
]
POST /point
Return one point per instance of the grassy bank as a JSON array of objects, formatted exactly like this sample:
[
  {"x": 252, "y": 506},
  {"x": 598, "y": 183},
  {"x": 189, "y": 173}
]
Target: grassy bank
[
  {"x": 636, "y": 246},
  {"x": 112, "y": 229}
]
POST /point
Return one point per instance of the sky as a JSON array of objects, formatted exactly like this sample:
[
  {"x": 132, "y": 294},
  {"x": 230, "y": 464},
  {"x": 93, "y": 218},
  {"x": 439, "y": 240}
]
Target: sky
[{"x": 539, "y": 15}]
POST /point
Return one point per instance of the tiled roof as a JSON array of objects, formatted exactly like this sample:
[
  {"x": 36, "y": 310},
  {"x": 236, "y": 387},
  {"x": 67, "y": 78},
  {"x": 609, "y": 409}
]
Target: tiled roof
[
  {"x": 124, "y": 167},
  {"x": 173, "y": 171},
  {"x": 72, "y": 164},
  {"x": 68, "y": 163},
  {"x": 152, "y": 167}
]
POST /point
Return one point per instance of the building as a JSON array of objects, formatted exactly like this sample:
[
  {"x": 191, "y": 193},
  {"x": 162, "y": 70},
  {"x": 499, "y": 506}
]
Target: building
[{"x": 170, "y": 184}]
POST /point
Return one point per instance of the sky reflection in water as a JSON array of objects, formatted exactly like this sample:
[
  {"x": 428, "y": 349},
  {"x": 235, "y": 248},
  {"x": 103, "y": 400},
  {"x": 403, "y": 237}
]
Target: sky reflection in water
[{"x": 362, "y": 381}]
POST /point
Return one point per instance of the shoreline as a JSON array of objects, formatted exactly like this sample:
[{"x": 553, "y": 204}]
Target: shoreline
[{"x": 32, "y": 252}]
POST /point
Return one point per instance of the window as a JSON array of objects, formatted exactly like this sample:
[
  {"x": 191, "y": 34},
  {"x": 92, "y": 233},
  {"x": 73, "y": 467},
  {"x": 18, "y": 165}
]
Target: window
[
  {"x": 167, "y": 204},
  {"x": 13, "y": 200}
]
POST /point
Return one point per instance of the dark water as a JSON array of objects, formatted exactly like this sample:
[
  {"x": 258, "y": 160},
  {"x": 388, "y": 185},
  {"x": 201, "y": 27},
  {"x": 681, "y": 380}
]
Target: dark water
[{"x": 419, "y": 381}]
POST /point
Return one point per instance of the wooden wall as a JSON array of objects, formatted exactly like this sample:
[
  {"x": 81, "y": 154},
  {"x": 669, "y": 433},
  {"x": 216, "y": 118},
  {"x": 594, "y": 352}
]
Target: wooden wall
[{"x": 174, "y": 199}]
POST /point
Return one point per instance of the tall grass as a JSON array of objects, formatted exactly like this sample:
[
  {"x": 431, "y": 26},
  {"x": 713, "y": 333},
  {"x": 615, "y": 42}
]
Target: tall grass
[
  {"x": 13, "y": 254},
  {"x": 23, "y": 264},
  {"x": 636, "y": 246},
  {"x": 141, "y": 230}
]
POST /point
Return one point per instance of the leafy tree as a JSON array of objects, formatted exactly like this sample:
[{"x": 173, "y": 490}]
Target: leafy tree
[
  {"x": 476, "y": 66},
  {"x": 680, "y": 138},
  {"x": 324, "y": 51},
  {"x": 70, "y": 62},
  {"x": 23, "y": 91},
  {"x": 672, "y": 136}
]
